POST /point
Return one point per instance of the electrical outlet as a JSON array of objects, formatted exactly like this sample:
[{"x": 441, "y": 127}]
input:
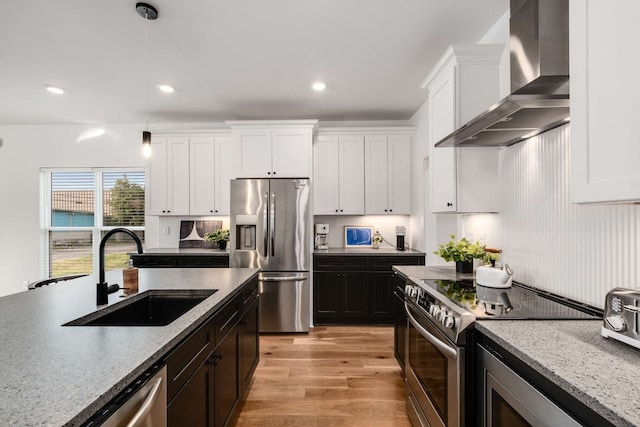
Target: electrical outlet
[{"x": 166, "y": 230}]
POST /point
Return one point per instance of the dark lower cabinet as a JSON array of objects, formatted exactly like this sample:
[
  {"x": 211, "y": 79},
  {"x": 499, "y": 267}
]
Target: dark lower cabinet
[
  {"x": 381, "y": 287},
  {"x": 356, "y": 289},
  {"x": 180, "y": 261},
  {"x": 211, "y": 370},
  {"x": 249, "y": 343},
  {"x": 226, "y": 379},
  {"x": 340, "y": 296},
  {"x": 399, "y": 328},
  {"x": 191, "y": 406}
]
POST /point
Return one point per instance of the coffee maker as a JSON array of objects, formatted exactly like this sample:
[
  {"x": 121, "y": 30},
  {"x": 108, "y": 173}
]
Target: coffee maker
[
  {"x": 400, "y": 233},
  {"x": 322, "y": 236}
]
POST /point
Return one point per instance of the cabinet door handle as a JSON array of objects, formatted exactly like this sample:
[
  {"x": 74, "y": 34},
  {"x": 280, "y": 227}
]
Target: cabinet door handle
[
  {"x": 449, "y": 204},
  {"x": 390, "y": 210},
  {"x": 336, "y": 210},
  {"x": 268, "y": 173},
  {"x": 274, "y": 172}
]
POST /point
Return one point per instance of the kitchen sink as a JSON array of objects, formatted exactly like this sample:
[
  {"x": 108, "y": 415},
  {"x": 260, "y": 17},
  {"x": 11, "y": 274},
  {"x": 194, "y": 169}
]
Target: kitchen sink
[{"x": 150, "y": 308}]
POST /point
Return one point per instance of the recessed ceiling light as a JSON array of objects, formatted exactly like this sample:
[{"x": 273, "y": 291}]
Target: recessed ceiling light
[
  {"x": 54, "y": 89},
  {"x": 166, "y": 88},
  {"x": 319, "y": 86}
]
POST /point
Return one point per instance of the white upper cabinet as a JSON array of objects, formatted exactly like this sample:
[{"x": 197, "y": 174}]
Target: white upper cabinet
[
  {"x": 605, "y": 146},
  {"x": 388, "y": 174},
  {"x": 463, "y": 83},
  {"x": 211, "y": 170},
  {"x": 338, "y": 175},
  {"x": 272, "y": 149},
  {"x": 168, "y": 176}
]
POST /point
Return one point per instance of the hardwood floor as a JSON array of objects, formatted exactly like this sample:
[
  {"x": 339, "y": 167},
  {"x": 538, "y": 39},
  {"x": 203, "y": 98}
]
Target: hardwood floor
[{"x": 334, "y": 376}]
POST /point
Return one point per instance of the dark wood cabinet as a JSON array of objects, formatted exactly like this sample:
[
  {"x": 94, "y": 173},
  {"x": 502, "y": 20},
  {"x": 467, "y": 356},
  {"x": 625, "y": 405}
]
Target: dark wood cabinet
[
  {"x": 249, "y": 340},
  {"x": 381, "y": 287},
  {"x": 356, "y": 289},
  {"x": 399, "y": 327},
  {"x": 211, "y": 369},
  {"x": 180, "y": 261}
]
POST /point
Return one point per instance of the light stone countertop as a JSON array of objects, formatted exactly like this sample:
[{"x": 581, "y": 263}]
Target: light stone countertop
[
  {"x": 382, "y": 251},
  {"x": 601, "y": 373},
  {"x": 55, "y": 375}
]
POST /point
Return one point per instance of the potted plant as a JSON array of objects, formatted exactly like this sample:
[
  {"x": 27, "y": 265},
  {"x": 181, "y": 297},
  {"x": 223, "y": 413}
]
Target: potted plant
[
  {"x": 219, "y": 236},
  {"x": 463, "y": 252},
  {"x": 377, "y": 239}
]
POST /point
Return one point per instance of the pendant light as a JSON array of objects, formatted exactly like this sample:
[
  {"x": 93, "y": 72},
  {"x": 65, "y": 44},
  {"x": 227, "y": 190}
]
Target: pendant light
[{"x": 147, "y": 12}]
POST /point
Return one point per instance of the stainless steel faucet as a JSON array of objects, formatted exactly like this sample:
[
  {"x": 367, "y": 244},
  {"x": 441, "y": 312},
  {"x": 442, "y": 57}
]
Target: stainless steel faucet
[{"x": 103, "y": 289}]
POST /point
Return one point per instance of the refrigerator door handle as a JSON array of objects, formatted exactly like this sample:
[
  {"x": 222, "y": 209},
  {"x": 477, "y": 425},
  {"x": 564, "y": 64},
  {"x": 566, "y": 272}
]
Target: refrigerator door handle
[
  {"x": 273, "y": 224},
  {"x": 283, "y": 279},
  {"x": 265, "y": 225}
]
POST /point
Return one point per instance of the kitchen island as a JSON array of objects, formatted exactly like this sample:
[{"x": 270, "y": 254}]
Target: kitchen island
[{"x": 60, "y": 375}]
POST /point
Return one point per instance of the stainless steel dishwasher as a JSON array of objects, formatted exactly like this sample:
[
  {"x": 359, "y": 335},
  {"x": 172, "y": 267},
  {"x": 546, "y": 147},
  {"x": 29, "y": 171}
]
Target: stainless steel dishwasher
[{"x": 141, "y": 404}]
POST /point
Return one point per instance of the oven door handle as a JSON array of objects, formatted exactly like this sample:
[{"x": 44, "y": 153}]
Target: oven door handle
[{"x": 447, "y": 350}]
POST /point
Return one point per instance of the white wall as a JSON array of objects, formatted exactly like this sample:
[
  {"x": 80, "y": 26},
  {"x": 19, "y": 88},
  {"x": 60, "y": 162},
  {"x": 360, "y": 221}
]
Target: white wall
[
  {"x": 579, "y": 251},
  {"x": 385, "y": 224},
  {"x": 24, "y": 150}
]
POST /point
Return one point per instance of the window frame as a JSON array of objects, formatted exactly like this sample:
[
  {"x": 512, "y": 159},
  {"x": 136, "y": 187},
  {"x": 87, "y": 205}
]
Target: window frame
[{"x": 98, "y": 227}]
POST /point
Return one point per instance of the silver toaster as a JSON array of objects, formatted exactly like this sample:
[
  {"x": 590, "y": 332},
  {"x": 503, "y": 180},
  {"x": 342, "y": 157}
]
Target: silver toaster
[{"x": 622, "y": 316}]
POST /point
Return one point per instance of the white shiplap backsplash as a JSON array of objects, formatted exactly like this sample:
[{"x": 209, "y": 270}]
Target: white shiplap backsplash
[{"x": 579, "y": 251}]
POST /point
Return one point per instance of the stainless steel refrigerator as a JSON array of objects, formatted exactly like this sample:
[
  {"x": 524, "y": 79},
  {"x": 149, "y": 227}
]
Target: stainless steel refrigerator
[{"x": 271, "y": 230}]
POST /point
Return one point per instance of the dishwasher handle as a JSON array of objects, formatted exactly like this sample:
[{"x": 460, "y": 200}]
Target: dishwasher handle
[{"x": 140, "y": 417}]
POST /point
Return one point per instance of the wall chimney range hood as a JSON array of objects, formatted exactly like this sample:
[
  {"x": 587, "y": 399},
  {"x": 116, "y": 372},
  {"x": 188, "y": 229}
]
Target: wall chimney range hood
[{"x": 539, "y": 100}]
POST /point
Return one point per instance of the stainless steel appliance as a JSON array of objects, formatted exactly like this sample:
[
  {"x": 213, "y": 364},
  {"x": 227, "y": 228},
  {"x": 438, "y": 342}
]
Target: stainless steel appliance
[
  {"x": 270, "y": 230},
  {"x": 510, "y": 400},
  {"x": 622, "y": 316},
  {"x": 321, "y": 240},
  {"x": 441, "y": 314},
  {"x": 539, "y": 99},
  {"x": 143, "y": 403}
]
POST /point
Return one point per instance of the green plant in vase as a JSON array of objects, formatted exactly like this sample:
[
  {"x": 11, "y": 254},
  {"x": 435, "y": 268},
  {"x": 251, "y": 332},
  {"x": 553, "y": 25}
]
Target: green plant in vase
[
  {"x": 219, "y": 236},
  {"x": 462, "y": 252}
]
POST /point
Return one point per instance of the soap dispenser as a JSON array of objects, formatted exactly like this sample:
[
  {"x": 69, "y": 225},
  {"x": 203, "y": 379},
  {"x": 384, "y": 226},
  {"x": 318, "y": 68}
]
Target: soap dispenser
[{"x": 130, "y": 279}]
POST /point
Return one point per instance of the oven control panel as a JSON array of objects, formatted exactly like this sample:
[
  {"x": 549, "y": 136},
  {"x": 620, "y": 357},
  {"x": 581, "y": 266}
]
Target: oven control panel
[{"x": 439, "y": 313}]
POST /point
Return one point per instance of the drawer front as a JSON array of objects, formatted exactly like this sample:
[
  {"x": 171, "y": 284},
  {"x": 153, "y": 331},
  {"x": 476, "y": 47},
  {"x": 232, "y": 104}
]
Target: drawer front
[
  {"x": 249, "y": 294},
  {"x": 185, "y": 360},
  {"x": 228, "y": 318},
  {"x": 203, "y": 261},
  {"x": 340, "y": 263},
  {"x": 384, "y": 263},
  {"x": 160, "y": 261}
]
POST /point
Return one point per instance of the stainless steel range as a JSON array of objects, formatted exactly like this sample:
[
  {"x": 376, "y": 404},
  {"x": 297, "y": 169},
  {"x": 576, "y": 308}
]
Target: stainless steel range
[{"x": 441, "y": 314}]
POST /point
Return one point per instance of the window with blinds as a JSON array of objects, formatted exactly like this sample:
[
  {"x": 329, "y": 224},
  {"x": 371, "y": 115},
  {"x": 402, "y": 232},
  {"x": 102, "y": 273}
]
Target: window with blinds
[{"x": 78, "y": 207}]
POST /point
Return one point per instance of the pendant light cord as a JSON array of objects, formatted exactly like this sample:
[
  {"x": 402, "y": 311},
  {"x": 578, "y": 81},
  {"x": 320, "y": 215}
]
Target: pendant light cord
[{"x": 146, "y": 49}]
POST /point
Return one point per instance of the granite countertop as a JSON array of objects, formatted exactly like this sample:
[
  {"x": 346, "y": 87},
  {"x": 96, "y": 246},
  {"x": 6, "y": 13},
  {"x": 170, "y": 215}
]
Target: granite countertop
[
  {"x": 601, "y": 373},
  {"x": 183, "y": 251},
  {"x": 56, "y": 375},
  {"x": 382, "y": 251},
  {"x": 418, "y": 272}
]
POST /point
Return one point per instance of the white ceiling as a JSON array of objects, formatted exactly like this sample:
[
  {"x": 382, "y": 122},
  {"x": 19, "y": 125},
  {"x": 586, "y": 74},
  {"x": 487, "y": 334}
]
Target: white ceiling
[{"x": 231, "y": 59}]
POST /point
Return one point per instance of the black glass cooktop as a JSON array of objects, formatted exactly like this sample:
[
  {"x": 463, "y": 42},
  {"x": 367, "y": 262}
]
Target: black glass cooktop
[{"x": 517, "y": 302}]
